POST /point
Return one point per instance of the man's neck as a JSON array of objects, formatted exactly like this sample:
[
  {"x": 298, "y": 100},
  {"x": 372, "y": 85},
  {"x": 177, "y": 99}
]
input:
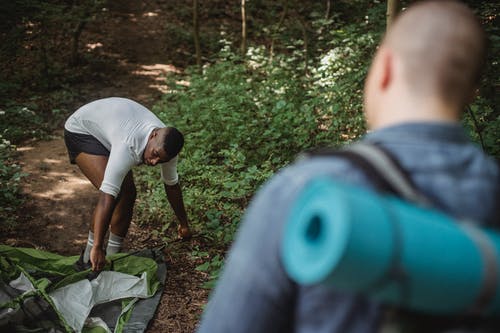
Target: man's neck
[{"x": 423, "y": 110}]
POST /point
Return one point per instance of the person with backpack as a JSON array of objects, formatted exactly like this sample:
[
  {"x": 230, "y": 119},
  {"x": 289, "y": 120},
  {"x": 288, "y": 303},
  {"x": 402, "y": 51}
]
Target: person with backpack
[{"x": 423, "y": 75}]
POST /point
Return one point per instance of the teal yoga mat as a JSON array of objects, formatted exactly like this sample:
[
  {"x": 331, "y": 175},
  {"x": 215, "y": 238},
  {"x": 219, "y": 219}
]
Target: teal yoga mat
[{"x": 358, "y": 241}]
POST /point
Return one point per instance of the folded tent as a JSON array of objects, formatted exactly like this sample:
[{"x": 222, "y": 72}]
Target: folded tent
[{"x": 42, "y": 291}]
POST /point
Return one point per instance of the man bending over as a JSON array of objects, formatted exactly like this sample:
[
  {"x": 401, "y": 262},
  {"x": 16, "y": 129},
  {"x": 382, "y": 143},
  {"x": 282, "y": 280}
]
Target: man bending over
[{"x": 106, "y": 138}]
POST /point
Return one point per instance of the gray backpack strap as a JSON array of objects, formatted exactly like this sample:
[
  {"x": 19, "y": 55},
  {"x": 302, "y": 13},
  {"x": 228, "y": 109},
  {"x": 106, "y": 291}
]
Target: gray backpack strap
[
  {"x": 489, "y": 283},
  {"x": 383, "y": 170},
  {"x": 388, "y": 168}
]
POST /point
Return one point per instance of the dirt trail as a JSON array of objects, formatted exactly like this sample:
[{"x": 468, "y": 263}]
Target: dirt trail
[{"x": 60, "y": 200}]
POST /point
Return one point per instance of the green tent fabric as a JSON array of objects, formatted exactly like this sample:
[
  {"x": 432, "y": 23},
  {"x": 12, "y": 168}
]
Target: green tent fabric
[{"x": 41, "y": 292}]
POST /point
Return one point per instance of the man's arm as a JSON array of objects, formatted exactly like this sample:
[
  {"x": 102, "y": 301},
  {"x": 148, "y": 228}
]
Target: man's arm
[
  {"x": 100, "y": 221},
  {"x": 174, "y": 196}
]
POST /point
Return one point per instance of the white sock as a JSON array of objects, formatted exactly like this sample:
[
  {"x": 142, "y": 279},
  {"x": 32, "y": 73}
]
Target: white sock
[
  {"x": 90, "y": 243},
  {"x": 114, "y": 244}
]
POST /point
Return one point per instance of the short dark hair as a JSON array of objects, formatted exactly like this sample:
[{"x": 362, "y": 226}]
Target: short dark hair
[
  {"x": 443, "y": 46},
  {"x": 174, "y": 141}
]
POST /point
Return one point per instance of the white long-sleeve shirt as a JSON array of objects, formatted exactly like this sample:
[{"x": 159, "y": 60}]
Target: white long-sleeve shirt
[{"x": 123, "y": 127}]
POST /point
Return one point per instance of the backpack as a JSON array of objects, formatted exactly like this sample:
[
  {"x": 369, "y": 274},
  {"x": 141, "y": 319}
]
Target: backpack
[{"x": 389, "y": 177}]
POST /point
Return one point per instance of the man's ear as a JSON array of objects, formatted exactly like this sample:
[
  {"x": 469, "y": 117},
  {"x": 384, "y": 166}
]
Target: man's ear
[{"x": 386, "y": 63}]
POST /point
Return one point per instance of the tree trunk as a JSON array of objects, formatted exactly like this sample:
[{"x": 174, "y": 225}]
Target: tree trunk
[
  {"x": 278, "y": 27},
  {"x": 392, "y": 11},
  {"x": 196, "y": 33},
  {"x": 243, "y": 28},
  {"x": 76, "y": 38},
  {"x": 304, "y": 36},
  {"x": 328, "y": 6}
]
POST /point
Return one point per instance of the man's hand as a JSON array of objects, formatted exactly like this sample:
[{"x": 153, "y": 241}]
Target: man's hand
[
  {"x": 174, "y": 196},
  {"x": 97, "y": 258},
  {"x": 184, "y": 232}
]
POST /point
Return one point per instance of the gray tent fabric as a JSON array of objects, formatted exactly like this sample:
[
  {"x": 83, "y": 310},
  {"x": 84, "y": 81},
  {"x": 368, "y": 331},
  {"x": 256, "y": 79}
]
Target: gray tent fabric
[
  {"x": 41, "y": 292},
  {"x": 142, "y": 314},
  {"x": 142, "y": 310},
  {"x": 76, "y": 300}
]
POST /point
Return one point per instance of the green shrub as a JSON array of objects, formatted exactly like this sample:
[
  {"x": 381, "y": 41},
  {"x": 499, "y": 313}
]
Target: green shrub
[
  {"x": 21, "y": 122},
  {"x": 10, "y": 177},
  {"x": 244, "y": 120}
]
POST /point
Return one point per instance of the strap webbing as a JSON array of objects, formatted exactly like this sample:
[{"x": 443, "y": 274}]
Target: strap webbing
[
  {"x": 384, "y": 171},
  {"x": 390, "y": 170},
  {"x": 490, "y": 277}
]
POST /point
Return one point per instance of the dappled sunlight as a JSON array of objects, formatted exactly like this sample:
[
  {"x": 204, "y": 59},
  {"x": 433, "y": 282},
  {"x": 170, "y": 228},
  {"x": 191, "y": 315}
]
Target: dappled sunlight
[
  {"x": 67, "y": 186},
  {"x": 92, "y": 46},
  {"x": 160, "y": 87},
  {"x": 82, "y": 241},
  {"x": 50, "y": 176},
  {"x": 24, "y": 149},
  {"x": 182, "y": 83},
  {"x": 150, "y": 14},
  {"x": 157, "y": 72},
  {"x": 51, "y": 161}
]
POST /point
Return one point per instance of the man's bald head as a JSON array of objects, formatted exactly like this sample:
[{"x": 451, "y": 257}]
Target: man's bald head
[{"x": 441, "y": 46}]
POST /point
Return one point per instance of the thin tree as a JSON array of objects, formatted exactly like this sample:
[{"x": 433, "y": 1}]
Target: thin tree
[
  {"x": 303, "y": 27},
  {"x": 328, "y": 6},
  {"x": 392, "y": 11},
  {"x": 80, "y": 14},
  {"x": 196, "y": 33},
  {"x": 77, "y": 32},
  {"x": 278, "y": 28},
  {"x": 243, "y": 28}
]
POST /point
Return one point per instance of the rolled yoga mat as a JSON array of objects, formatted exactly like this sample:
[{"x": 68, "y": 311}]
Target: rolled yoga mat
[{"x": 359, "y": 241}]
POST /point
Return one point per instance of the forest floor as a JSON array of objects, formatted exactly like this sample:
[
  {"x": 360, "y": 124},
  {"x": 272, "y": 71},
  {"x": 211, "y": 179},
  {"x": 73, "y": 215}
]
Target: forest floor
[{"x": 131, "y": 49}]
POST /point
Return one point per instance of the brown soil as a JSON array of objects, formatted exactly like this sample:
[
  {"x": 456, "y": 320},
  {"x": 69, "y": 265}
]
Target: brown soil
[{"x": 128, "y": 40}]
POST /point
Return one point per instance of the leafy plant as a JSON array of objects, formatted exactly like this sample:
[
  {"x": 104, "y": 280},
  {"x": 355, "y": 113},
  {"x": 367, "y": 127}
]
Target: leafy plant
[
  {"x": 10, "y": 177},
  {"x": 21, "y": 122},
  {"x": 244, "y": 119}
]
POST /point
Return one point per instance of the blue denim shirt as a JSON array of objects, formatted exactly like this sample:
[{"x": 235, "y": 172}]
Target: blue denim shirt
[{"x": 255, "y": 295}]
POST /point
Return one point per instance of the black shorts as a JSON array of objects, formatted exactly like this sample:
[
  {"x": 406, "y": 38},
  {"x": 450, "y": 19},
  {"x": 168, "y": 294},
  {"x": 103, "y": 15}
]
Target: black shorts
[{"x": 77, "y": 143}]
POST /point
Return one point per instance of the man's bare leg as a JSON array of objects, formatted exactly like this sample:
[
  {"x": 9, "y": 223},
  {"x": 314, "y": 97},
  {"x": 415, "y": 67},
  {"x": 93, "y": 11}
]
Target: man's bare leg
[
  {"x": 93, "y": 167},
  {"x": 122, "y": 215}
]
